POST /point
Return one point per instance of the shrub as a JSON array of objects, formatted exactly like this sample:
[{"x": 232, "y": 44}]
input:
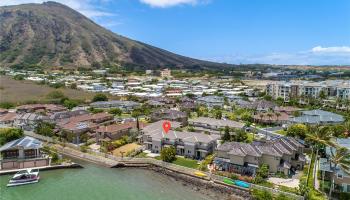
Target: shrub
[
  {"x": 68, "y": 103},
  {"x": 84, "y": 148},
  {"x": 45, "y": 128},
  {"x": 208, "y": 160},
  {"x": 56, "y": 94},
  {"x": 115, "y": 111},
  {"x": 54, "y": 157},
  {"x": 100, "y": 97},
  {"x": 18, "y": 77},
  {"x": 6, "y": 105},
  {"x": 168, "y": 154},
  {"x": 298, "y": 130},
  {"x": 234, "y": 176},
  {"x": 261, "y": 194}
]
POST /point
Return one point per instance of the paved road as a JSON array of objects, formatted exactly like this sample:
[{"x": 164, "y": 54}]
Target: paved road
[{"x": 270, "y": 131}]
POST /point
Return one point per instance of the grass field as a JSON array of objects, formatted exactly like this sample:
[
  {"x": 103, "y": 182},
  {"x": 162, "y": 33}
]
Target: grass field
[
  {"x": 126, "y": 148},
  {"x": 23, "y": 91},
  {"x": 184, "y": 162}
]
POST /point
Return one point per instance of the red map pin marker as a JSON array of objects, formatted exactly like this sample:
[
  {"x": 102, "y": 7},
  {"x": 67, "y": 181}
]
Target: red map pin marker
[{"x": 166, "y": 126}]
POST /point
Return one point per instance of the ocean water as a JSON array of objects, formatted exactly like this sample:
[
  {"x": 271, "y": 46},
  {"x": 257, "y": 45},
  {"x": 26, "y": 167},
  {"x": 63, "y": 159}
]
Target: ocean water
[{"x": 95, "y": 182}]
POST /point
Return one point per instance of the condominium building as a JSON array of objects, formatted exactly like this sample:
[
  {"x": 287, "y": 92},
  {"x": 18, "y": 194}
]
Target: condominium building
[
  {"x": 188, "y": 144},
  {"x": 165, "y": 73},
  {"x": 286, "y": 90},
  {"x": 283, "y": 155}
]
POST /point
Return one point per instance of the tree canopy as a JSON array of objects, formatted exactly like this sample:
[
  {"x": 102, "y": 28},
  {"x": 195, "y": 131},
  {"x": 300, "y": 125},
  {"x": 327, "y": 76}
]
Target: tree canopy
[
  {"x": 100, "y": 97},
  {"x": 9, "y": 134}
]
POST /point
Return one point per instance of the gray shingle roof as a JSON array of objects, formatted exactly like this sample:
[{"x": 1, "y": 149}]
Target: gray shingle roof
[
  {"x": 155, "y": 130},
  {"x": 317, "y": 117},
  {"x": 277, "y": 147},
  {"x": 217, "y": 122}
]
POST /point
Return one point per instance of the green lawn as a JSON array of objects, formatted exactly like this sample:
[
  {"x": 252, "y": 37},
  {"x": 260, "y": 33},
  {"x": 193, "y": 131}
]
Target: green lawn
[
  {"x": 184, "y": 162},
  {"x": 313, "y": 193},
  {"x": 250, "y": 137},
  {"x": 282, "y": 132}
]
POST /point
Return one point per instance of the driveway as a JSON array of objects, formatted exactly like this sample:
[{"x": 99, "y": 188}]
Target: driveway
[
  {"x": 289, "y": 182},
  {"x": 270, "y": 132}
]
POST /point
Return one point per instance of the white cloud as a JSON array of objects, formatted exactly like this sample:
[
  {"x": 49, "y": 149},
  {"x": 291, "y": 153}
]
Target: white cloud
[
  {"x": 170, "y": 3},
  {"x": 316, "y": 56},
  {"x": 86, "y": 7},
  {"x": 320, "y": 49}
]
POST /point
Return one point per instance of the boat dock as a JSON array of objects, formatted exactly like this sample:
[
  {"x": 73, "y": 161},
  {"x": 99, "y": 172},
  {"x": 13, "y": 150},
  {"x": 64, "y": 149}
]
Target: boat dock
[{"x": 43, "y": 168}]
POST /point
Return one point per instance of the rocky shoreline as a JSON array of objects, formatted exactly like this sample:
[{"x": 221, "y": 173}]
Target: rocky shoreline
[{"x": 209, "y": 188}]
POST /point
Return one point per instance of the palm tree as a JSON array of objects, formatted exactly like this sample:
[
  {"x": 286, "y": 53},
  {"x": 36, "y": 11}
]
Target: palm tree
[
  {"x": 278, "y": 114},
  {"x": 269, "y": 115},
  {"x": 338, "y": 102},
  {"x": 341, "y": 159},
  {"x": 319, "y": 136},
  {"x": 261, "y": 117},
  {"x": 347, "y": 104},
  {"x": 347, "y": 128}
]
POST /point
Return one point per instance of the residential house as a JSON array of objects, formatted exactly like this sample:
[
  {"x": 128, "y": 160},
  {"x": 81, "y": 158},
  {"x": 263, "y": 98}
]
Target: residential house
[
  {"x": 211, "y": 101},
  {"x": 79, "y": 126},
  {"x": 188, "y": 144},
  {"x": 116, "y": 131},
  {"x": 8, "y": 119},
  {"x": 171, "y": 115},
  {"x": 123, "y": 105},
  {"x": 45, "y": 108},
  {"x": 28, "y": 121},
  {"x": 271, "y": 118},
  {"x": 23, "y": 153},
  {"x": 283, "y": 155},
  {"x": 341, "y": 177},
  {"x": 319, "y": 117},
  {"x": 213, "y": 126}
]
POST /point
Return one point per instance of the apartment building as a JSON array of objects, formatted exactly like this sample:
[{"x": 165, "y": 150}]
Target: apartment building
[
  {"x": 188, "y": 144},
  {"x": 165, "y": 73},
  {"x": 286, "y": 90},
  {"x": 283, "y": 155}
]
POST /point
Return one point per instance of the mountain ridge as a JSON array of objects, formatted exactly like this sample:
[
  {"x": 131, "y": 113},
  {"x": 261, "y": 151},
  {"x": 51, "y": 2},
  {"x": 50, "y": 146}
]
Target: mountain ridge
[{"x": 52, "y": 34}]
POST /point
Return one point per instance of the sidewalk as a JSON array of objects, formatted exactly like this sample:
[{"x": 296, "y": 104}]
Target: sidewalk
[{"x": 316, "y": 181}]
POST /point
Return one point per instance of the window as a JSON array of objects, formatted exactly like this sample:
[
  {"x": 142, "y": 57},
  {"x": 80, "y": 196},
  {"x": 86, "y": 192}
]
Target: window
[
  {"x": 188, "y": 151},
  {"x": 340, "y": 176},
  {"x": 156, "y": 147}
]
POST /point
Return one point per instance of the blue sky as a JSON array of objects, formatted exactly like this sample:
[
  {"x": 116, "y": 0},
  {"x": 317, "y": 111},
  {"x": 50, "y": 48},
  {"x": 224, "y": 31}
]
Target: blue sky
[{"x": 234, "y": 31}]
